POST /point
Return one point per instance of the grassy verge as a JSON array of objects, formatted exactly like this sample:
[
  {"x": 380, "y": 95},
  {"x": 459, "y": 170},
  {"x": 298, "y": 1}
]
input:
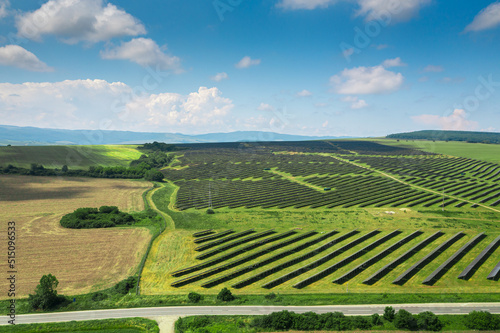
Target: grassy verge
[
  {"x": 249, "y": 324},
  {"x": 130, "y": 325},
  {"x": 113, "y": 300},
  {"x": 156, "y": 228}
]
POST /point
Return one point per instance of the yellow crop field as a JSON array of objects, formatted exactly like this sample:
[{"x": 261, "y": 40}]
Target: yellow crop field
[{"x": 82, "y": 260}]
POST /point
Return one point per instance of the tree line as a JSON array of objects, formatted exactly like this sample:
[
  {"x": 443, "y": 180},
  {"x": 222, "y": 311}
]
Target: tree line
[
  {"x": 144, "y": 167},
  {"x": 472, "y": 137}
]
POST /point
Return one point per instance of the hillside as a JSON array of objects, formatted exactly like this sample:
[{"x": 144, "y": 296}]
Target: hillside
[
  {"x": 34, "y": 136},
  {"x": 473, "y": 137}
]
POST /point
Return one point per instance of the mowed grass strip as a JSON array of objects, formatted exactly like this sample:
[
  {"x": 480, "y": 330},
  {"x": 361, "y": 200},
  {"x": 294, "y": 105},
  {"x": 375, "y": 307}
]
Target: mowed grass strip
[{"x": 82, "y": 260}]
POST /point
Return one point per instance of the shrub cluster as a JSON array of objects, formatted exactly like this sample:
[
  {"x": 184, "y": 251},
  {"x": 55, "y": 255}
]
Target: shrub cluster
[
  {"x": 482, "y": 320},
  {"x": 123, "y": 287},
  {"x": 104, "y": 217},
  {"x": 311, "y": 321},
  {"x": 425, "y": 321}
]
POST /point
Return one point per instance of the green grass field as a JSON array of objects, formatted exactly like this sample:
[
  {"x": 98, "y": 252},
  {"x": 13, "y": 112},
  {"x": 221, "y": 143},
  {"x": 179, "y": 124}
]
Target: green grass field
[
  {"x": 478, "y": 151},
  {"x": 75, "y": 157},
  {"x": 174, "y": 250},
  {"x": 132, "y": 325}
]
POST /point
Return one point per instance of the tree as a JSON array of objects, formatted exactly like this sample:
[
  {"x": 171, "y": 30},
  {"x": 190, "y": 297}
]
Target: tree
[
  {"x": 225, "y": 295},
  {"x": 64, "y": 168},
  {"x": 428, "y": 321},
  {"x": 45, "y": 296},
  {"x": 376, "y": 321},
  {"x": 389, "y": 313},
  {"x": 405, "y": 320},
  {"x": 482, "y": 320},
  {"x": 153, "y": 175},
  {"x": 194, "y": 297}
]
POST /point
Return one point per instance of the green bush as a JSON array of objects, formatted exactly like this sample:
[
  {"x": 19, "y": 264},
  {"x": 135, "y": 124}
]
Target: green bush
[
  {"x": 405, "y": 320},
  {"x": 389, "y": 313},
  {"x": 225, "y": 295},
  {"x": 104, "y": 217},
  {"x": 194, "y": 297},
  {"x": 99, "y": 296},
  {"x": 123, "y": 287},
  {"x": 428, "y": 321},
  {"x": 336, "y": 321},
  {"x": 482, "y": 320},
  {"x": 270, "y": 296},
  {"x": 376, "y": 321}
]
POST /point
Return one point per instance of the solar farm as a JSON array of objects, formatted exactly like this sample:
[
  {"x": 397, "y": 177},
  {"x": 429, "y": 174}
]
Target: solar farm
[{"x": 330, "y": 216}]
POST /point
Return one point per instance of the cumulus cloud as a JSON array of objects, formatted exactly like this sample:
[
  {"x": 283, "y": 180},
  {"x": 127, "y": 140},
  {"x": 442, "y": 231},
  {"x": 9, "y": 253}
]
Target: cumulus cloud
[
  {"x": 265, "y": 107},
  {"x": 433, "y": 69},
  {"x": 77, "y": 104},
  {"x": 456, "y": 121},
  {"x": 247, "y": 62},
  {"x": 396, "y": 62},
  {"x": 396, "y": 10},
  {"x": 17, "y": 56},
  {"x": 488, "y": 18},
  {"x": 78, "y": 20},
  {"x": 366, "y": 80},
  {"x": 169, "y": 111},
  {"x": 356, "y": 103},
  {"x": 219, "y": 77},
  {"x": 145, "y": 52},
  {"x": 304, "y": 93},
  {"x": 3, "y": 8}
]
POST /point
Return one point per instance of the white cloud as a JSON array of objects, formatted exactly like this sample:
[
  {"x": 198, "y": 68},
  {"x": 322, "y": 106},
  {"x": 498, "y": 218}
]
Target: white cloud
[
  {"x": 396, "y": 62},
  {"x": 219, "y": 77},
  {"x": 366, "y": 80},
  {"x": 320, "y": 105},
  {"x": 356, "y": 103},
  {"x": 455, "y": 121},
  {"x": 78, "y": 20},
  {"x": 304, "y": 93},
  {"x": 170, "y": 111},
  {"x": 88, "y": 104},
  {"x": 304, "y": 4},
  {"x": 393, "y": 10},
  {"x": 488, "y": 18},
  {"x": 15, "y": 55},
  {"x": 3, "y": 8},
  {"x": 265, "y": 107},
  {"x": 145, "y": 52},
  {"x": 396, "y": 10},
  {"x": 434, "y": 69},
  {"x": 247, "y": 62}
]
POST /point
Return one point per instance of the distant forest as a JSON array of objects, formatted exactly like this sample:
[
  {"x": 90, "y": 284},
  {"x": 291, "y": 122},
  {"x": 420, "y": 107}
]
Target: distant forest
[{"x": 473, "y": 137}]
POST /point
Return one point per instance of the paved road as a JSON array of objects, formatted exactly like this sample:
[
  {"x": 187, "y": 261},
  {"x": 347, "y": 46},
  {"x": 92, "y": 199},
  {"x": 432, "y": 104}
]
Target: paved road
[{"x": 444, "y": 308}]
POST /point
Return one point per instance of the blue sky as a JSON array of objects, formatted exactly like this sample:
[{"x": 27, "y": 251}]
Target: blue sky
[{"x": 310, "y": 67}]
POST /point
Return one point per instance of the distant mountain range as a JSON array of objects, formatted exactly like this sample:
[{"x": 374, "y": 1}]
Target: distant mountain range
[
  {"x": 43, "y": 136},
  {"x": 474, "y": 137}
]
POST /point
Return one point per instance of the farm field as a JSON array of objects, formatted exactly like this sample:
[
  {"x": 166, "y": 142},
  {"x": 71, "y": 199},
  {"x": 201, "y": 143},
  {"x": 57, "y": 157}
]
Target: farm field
[
  {"x": 82, "y": 260},
  {"x": 300, "y": 193},
  {"x": 75, "y": 157},
  {"x": 480, "y": 151}
]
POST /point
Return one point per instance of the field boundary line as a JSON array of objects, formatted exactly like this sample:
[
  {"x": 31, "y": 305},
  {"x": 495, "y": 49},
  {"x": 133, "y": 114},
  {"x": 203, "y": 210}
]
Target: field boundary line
[
  {"x": 414, "y": 186},
  {"x": 294, "y": 179},
  {"x": 149, "y": 203}
]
